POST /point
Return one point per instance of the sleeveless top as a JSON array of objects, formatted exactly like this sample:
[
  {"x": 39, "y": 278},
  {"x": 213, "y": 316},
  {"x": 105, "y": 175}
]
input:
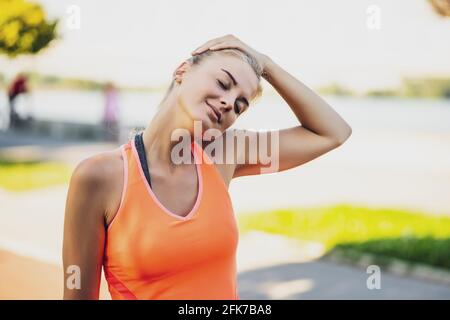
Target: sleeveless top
[{"x": 152, "y": 253}]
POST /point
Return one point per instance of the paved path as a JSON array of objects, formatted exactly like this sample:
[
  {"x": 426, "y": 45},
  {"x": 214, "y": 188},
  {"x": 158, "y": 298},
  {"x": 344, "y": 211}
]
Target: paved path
[
  {"x": 269, "y": 266},
  {"x": 287, "y": 269}
]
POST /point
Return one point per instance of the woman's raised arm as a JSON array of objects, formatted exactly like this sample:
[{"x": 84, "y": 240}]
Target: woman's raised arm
[{"x": 321, "y": 129}]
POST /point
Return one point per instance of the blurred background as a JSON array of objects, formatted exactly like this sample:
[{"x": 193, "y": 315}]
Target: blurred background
[{"x": 76, "y": 77}]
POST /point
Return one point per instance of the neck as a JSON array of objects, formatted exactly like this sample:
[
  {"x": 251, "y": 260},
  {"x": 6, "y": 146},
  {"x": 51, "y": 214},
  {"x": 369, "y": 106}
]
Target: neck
[{"x": 157, "y": 134}]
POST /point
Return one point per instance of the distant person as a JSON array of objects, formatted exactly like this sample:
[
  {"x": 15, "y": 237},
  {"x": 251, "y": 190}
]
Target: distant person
[
  {"x": 17, "y": 87},
  {"x": 111, "y": 113}
]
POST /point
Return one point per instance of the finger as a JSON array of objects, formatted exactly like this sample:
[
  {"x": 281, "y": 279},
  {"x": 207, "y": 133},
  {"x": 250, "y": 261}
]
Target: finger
[
  {"x": 223, "y": 45},
  {"x": 199, "y": 50},
  {"x": 205, "y": 46},
  {"x": 218, "y": 46},
  {"x": 209, "y": 44}
]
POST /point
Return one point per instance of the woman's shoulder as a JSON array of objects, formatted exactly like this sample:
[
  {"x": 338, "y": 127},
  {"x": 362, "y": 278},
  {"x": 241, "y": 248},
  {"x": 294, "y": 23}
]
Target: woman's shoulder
[
  {"x": 101, "y": 176},
  {"x": 100, "y": 167}
]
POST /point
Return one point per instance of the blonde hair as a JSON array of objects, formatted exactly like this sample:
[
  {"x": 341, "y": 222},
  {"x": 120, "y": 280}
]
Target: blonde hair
[{"x": 256, "y": 67}]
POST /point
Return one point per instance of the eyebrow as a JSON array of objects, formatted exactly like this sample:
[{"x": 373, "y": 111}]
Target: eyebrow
[
  {"x": 231, "y": 76},
  {"x": 235, "y": 83}
]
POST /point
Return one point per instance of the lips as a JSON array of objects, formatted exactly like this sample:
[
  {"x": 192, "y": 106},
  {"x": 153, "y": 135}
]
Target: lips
[{"x": 216, "y": 112}]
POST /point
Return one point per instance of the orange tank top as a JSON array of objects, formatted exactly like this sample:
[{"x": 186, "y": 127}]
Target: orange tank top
[{"x": 152, "y": 253}]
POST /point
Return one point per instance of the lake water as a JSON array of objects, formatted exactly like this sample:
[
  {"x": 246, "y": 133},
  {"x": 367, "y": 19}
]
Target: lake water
[{"x": 271, "y": 112}]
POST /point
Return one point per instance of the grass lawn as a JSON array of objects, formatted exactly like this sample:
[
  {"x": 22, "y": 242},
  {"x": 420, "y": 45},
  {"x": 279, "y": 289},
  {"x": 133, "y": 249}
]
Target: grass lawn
[
  {"x": 412, "y": 236},
  {"x": 31, "y": 175}
]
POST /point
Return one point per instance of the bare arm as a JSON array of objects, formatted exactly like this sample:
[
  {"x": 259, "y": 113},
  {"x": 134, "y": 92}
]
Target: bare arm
[
  {"x": 321, "y": 129},
  {"x": 84, "y": 231},
  {"x": 310, "y": 109}
]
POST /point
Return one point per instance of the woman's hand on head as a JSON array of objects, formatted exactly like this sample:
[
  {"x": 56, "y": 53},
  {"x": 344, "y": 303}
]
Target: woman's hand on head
[{"x": 232, "y": 42}]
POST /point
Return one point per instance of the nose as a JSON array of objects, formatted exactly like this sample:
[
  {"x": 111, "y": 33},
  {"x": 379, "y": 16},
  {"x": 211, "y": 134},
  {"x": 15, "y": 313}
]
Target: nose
[{"x": 225, "y": 104}]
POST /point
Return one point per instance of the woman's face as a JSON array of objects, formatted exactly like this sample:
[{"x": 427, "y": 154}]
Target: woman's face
[{"x": 217, "y": 90}]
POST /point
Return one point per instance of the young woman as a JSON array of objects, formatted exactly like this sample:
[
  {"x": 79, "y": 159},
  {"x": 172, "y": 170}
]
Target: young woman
[{"x": 162, "y": 229}]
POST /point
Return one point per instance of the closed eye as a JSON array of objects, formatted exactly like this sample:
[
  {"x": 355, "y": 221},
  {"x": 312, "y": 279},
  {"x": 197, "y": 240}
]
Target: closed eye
[{"x": 222, "y": 85}]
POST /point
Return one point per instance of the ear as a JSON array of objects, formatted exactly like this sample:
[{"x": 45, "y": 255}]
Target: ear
[{"x": 180, "y": 70}]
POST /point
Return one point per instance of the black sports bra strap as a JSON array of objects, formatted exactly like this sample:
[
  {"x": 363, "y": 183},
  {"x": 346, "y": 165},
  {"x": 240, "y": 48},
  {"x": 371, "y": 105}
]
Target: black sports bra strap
[{"x": 139, "y": 142}]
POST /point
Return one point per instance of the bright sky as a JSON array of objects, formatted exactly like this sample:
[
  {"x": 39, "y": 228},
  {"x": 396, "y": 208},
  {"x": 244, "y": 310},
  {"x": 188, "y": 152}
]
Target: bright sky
[{"x": 321, "y": 41}]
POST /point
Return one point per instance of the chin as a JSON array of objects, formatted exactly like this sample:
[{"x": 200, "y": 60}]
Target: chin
[
  {"x": 196, "y": 116},
  {"x": 199, "y": 112}
]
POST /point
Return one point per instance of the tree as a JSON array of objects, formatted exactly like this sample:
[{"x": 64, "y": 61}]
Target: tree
[
  {"x": 441, "y": 7},
  {"x": 24, "y": 28}
]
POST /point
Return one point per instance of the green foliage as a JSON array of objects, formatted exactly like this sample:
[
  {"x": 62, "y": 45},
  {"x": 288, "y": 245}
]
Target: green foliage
[
  {"x": 335, "y": 89},
  {"x": 426, "y": 87},
  {"x": 23, "y": 28},
  {"x": 414, "y": 236},
  {"x": 24, "y": 176},
  {"x": 430, "y": 250},
  {"x": 381, "y": 93},
  {"x": 441, "y": 7},
  {"x": 53, "y": 82}
]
